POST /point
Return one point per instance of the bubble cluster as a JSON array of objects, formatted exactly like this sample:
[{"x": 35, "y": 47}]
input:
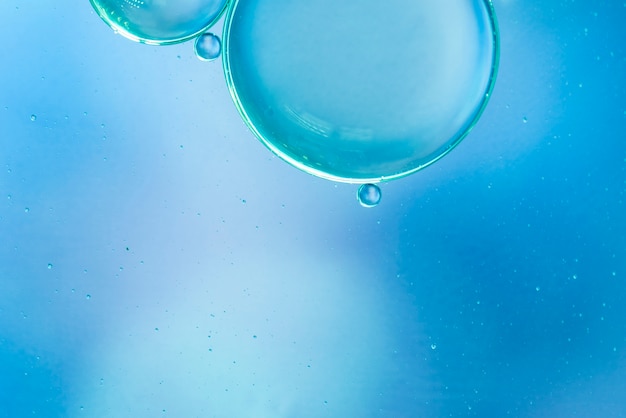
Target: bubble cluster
[{"x": 352, "y": 91}]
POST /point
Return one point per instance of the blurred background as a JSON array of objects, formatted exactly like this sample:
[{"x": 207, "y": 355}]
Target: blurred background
[{"x": 156, "y": 260}]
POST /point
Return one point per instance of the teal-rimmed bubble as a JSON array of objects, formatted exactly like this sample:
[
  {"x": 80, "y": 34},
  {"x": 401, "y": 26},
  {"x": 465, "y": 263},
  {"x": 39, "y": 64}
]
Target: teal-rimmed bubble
[
  {"x": 369, "y": 195},
  {"x": 208, "y": 47},
  {"x": 160, "y": 22},
  {"x": 360, "y": 91}
]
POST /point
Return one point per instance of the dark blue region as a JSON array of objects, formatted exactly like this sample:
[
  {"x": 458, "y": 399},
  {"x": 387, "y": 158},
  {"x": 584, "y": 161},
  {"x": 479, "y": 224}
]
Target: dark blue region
[
  {"x": 28, "y": 387},
  {"x": 522, "y": 285}
]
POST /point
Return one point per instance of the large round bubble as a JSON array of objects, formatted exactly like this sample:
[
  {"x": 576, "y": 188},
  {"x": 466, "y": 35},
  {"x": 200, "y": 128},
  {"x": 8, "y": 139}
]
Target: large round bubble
[
  {"x": 360, "y": 91},
  {"x": 159, "y": 22}
]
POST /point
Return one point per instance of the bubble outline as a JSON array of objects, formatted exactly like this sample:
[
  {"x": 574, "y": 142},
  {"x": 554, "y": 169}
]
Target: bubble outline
[
  {"x": 129, "y": 35},
  {"x": 228, "y": 20}
]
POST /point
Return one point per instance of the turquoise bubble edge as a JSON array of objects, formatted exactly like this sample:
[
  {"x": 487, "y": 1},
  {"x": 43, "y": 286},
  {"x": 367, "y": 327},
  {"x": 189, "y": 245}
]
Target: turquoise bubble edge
[
  {"x": 322, "y": 174},
  {"x": 128, "y": 35}
]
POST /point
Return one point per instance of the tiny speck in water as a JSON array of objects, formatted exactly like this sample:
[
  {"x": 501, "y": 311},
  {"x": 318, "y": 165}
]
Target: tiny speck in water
[
  {"x": 525, "y": 119},
  {"x": 33, "y": 117},
  {"x": 49, "y": 266},
  {"x": 433, "y": 346},
  {"x": 208, "y": 47},
  {"x": 26, "y": 210},
  {"x": 88, "y": 296},
  {"x": 369, "y": 195}
]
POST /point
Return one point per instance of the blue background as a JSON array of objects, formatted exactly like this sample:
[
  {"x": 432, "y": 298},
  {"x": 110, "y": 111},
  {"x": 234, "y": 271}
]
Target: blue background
[{"x": 157, "y": 260}]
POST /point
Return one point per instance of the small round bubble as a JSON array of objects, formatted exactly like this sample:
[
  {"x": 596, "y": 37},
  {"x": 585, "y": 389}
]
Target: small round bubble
[
  {"x": 360, "y": 92},
  {"x": 369, "y": 195},
  {"x": 159, "y": 22},
  {"x": 208, "y": 47}
]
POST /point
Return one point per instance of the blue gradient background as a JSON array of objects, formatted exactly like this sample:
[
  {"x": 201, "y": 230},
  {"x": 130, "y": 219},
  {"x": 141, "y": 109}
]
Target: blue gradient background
[{"x": 193, "y": 274}]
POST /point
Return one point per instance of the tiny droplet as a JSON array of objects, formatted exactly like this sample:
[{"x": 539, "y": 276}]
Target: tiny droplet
[
  {"x": 208, "y": 47},
  {"x": 369, "y": 195}
]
